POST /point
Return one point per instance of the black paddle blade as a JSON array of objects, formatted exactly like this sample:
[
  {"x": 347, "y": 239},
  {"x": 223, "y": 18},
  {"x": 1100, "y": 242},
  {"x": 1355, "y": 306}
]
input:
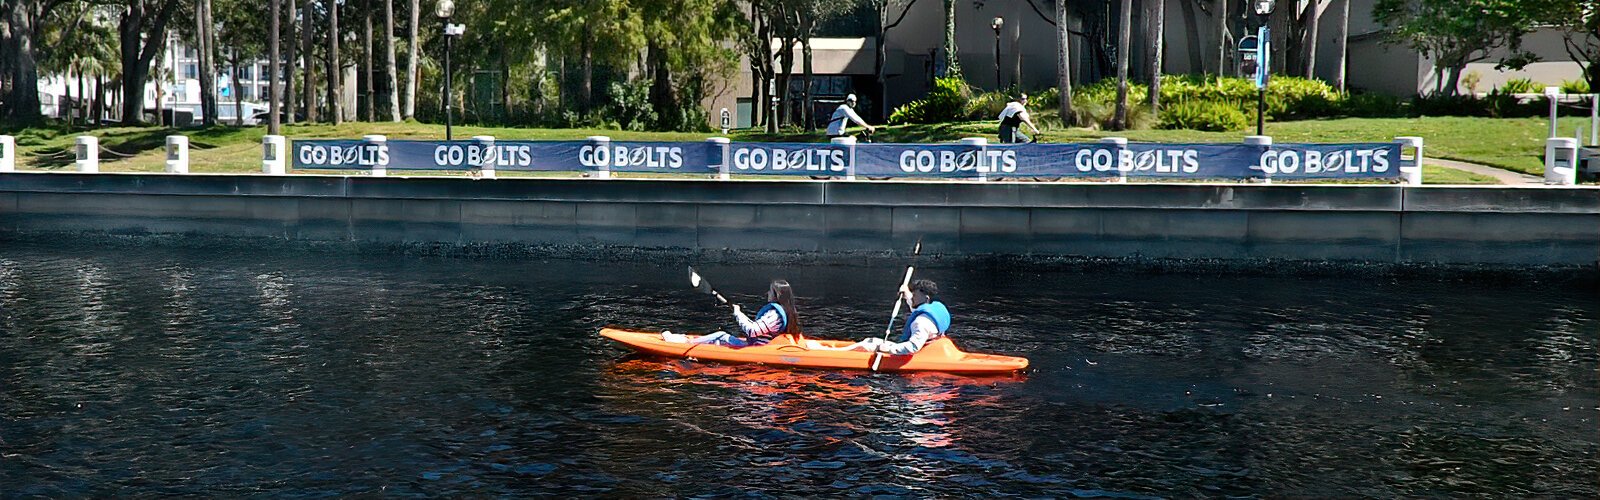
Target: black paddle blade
[{"x": 699, "y": 283}]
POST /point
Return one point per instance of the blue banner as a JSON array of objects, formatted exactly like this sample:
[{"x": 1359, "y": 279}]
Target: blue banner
[{"x": 1087, "y": 160}]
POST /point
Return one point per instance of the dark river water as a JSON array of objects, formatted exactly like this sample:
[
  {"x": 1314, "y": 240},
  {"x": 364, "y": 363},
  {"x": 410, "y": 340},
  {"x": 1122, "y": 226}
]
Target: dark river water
[{"x": 215, "y": 372}]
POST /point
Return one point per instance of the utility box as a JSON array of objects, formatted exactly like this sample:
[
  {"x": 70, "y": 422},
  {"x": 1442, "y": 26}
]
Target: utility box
[{"x": 1561, "y": 161}]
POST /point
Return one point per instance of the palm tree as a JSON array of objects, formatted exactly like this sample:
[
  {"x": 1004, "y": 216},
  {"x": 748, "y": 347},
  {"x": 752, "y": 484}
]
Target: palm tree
[
  {"x": 335, "y": 86},
  {"x": 306, "y": 45},
  {"x": 1343, "y": 39},
  {"x": 411, "y": 60},
  {"x": 388, "y": 60},
  {"x": 1120, "y": 120},
  {"x": 272, "y": 69},
  {"x": 1313, "y": 18},
  {"x": 289, "y": 94},
  {"x": 952, "y": 63},
  {"x": 1158, "y": 45},
  {"x": 1064, "y": 62}
]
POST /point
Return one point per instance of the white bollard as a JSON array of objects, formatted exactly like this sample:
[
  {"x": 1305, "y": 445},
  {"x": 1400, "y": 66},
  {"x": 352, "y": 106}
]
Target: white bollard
[
  {"x": 1561, "y": 161},
  {"x": 1262, "y": 141},
  {"x": 1411, "y": 170},
  {"x": 1121, "y": 143},
  {"x": 602, "y": 156},
  {"x": 983, "y": 147},
  {"x": 177, "y": 154},
  {"x": 850, "y": 155},
  {"x": 8, "y": 153},
  {"x": 272, "y": 158},
  {"x": 719, "y": 147},
  {"x": 377, "y": 170},
  {"x": 88, "y": 151},
  {"x": 489, "y": 156}
]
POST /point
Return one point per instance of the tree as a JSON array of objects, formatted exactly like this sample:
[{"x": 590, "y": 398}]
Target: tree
[
  {"x": 289, "y": 94},
  {"x": 1313, "y": 18},
  {"x": 272, "y": 70},
  {"x": 23, "y": 22},
  {"x": 141, "y": 33},
  {"x": 411, "y": 59},
  {"x": 335, "y": 69},
  {"x": 307, "y": 34},
  {"x": 884, "y": 9},
  {"x": 388, "y": 60},
  {"x": 1063, "y": 62},
  {"x": 1158, "y": 28},
  {"x": 1457, "y": 32},
  {"x": 206, "y": 46},
  {"x": 1342, "y": 47},
  {"x": 1580, "y": 26},
  {"x": 367, "y": 72},
  {"x": 1120, "y": 120},
  {"x": 952, "y": 60}
]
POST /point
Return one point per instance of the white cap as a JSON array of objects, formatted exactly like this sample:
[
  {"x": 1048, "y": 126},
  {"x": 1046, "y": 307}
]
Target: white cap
[{"x": 850, "y": 98}]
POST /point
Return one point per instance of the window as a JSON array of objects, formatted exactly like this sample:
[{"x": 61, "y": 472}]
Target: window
[{"x": 191, "y": 71}]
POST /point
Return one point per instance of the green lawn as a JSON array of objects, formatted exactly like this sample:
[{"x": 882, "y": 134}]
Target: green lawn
[{"x": 1514, "y": 143}]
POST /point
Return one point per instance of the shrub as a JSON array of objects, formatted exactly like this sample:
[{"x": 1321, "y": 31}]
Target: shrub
[
  {"x": 1521, "y": 86},
  {"x": 1471, "y": 81},
  {"x": 1579, "y": 86},
  {"x": 1366, "y": 105},
  {"x": 987, "y": 106},
  {"x": 630, "y": 106},
  {"x": 1211, "y": 116},
  {"x": 947, "y": 101}
]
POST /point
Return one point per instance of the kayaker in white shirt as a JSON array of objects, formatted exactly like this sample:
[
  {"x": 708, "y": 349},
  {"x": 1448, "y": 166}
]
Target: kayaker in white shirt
[
  {"x": 928, "y": 320},
  {"x": 843, "y": 115}
]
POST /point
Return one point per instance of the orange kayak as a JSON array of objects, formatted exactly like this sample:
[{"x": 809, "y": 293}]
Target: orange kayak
[{"x": 940, "y": 355}]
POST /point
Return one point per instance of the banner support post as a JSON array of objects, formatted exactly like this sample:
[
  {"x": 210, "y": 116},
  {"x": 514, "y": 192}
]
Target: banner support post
[
  {"x": 849, "y": 144},
  {"x": 1264, "y": 142}
]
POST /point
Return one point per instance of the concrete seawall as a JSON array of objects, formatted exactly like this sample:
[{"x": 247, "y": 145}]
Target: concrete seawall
[{"x": 1383, "y": 224}]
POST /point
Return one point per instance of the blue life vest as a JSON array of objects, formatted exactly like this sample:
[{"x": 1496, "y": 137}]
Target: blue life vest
[
  {"x": 783, "y": 319},
  {"x": 935, "y": 311}
]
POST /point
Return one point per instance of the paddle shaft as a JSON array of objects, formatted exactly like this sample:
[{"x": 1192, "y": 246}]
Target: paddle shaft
[{"x": 877, "y": 357}]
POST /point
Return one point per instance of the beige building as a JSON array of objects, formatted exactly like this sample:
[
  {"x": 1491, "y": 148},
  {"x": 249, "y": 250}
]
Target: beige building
[{"x": 1027, "y": 48}]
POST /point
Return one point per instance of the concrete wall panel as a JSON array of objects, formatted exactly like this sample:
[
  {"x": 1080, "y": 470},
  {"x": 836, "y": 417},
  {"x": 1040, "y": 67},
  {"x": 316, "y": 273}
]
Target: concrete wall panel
[
  {"x": 938, "y": 228},
  {"x": 857, "y": 228},
  {"x": 995, "y": 230},
  {"x": 1519, "y": 239},
  {"x": 408, "y": 221},
  {"x": 525, "y": 222},
  {"x": 1501, "y": 200},
  {"x": 1365, "y": 236},
  {"x": 607, "y": 223}
]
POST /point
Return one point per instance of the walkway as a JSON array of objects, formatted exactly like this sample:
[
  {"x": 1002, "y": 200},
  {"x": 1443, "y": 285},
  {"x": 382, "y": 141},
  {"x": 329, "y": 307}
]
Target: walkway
[{"x": 1499, "y": 174}]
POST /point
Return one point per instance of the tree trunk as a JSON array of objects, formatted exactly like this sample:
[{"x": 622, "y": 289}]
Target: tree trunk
[
  {"x": 366, "y": 71},
  {"x": 587, "y": 82},
  {"x": 411, "y": 60},
  {"x": 1125, "y": 25},
  {"x": 99, "y": 100},
  {"x": 130, "y": 32},
  {"x": 785, "y": 105},
  {"x": 204, "y": 50},
  {"x": 1223, "y": 38},
  {"x": 388, "y": 61},
  {"x": 272, "y": 70},
  {"x": 1313, "y": 18},
  {"x": 22, "y": 107},
  {"x": 238, "y": 90},
  {"x": 1342, "y": 41},
  {"x": 1158, "y": 35},
  {"x": 808, "y": 113},
  {"x": 1064, "y": 63},
  {"x": 1191, "y": 31},
  {"x": 289, "y": 62},
  {"x": 66, "y": 92},
  {"x": 879, "y": 69},
  {"x": 309, "y": 53},
  {"x": 335, "y": 69},
  {"x": 952, "y": 60}
]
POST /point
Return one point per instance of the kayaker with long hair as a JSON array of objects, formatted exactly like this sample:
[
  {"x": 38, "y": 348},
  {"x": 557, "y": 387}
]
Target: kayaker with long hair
[
  {"x": 928, "y": 320},
  {"x": 778, "y": 317}
]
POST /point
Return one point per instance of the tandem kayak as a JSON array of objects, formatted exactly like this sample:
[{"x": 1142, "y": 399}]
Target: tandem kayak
[{"x": 939, "y": 355}]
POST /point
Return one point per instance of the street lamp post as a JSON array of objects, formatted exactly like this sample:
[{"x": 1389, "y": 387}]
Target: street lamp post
[
  {"x": 997, "y": 24},
  {"x": 1263, "y": 9},
  {"x": 444, "y": 10}
]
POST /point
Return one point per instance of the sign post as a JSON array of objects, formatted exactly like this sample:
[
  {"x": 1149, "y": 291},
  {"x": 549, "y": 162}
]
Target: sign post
[
  {"x": 1263, "y": 74},
  {"x": 727, "y": 121}
]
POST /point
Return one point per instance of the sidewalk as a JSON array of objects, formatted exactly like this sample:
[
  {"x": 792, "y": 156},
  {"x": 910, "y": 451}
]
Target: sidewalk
[{"x": 1500, "y": 174}]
